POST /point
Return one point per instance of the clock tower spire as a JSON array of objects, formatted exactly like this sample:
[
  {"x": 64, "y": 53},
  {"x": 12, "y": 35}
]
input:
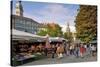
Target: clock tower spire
[{"x": 19, "y": 8}]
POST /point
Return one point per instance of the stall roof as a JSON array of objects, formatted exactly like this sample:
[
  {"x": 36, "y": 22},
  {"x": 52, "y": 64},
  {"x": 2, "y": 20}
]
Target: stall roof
[
  {"x": 16, "y": 34},
  {"x": 56, "y": 39},
  {"x": 94, "y": 41},
  {"x": 20, "y": 35}
]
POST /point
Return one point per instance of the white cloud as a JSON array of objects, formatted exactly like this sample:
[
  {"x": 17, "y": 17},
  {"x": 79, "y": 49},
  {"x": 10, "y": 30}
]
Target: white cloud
[
  {"x": 54, "y": 13},
  {"x": 54, "y": 10},
  {"x": 72, "y": 28}
]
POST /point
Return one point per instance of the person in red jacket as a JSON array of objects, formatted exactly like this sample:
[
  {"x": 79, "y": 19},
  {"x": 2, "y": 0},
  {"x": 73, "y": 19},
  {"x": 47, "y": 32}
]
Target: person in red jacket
[{"x": 82, "y": 50}]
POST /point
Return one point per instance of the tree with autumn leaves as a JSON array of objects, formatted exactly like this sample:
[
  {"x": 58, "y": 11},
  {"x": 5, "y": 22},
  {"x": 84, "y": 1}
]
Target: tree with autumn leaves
[
  {"x": 86, "y": 23},
  {"x": 52, "y": 29}
]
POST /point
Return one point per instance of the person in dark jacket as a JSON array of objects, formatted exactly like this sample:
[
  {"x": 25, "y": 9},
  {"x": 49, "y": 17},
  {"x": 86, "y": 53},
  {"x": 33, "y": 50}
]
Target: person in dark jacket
[
  {"x": 77, "y": 50},
  {"x": 53, "y": 51}
]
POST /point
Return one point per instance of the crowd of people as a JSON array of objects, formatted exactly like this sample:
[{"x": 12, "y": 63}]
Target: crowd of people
[
  {"x": 78, "y": 50},
  {"x": 60, "y": 50}
]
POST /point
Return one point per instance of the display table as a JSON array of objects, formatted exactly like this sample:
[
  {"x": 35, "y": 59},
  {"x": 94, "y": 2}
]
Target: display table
[{"x": 26, "y": 59}]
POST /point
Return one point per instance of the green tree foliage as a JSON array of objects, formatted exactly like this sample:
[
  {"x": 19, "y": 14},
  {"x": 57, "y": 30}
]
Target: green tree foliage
[
  {"x": 42, "y": 32},
  {"x": 68, "y": 36},
  {"x": 53, "y": 30},
  {"x": 86, "y": 23},
  {"x": 65, "y": 35}
]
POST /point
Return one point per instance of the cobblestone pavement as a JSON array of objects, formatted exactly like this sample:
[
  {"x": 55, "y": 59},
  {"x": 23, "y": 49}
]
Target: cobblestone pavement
[{"x": 65, "y": 59}]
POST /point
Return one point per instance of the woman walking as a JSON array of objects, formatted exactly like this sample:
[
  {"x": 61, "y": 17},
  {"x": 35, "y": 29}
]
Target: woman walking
[
  {"x": 60, "y": 50},
  {"x": 82, "y": 50}
]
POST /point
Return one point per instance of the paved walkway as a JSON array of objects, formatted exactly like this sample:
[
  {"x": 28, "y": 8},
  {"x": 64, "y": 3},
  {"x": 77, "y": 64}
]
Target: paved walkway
[{"x": 65, "y": 59}]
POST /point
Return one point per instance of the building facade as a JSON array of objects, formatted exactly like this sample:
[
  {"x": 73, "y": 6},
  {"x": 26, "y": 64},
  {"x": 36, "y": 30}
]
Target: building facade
[
  {"x": 25, "y": 24},
  {"x": 19, "y": 22}
]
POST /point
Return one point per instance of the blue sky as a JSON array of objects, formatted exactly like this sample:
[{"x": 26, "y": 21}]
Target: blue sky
[{"x": 50, "y": 12}]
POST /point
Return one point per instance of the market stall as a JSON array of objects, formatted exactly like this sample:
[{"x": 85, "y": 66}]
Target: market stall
[{"x": 22, "y": 46}]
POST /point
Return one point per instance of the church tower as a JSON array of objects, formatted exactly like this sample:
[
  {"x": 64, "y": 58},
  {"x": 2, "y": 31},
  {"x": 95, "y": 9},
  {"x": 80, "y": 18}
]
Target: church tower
[
  {"x": 19, "y": 8},
  {"x": 68, "y": 28}
]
